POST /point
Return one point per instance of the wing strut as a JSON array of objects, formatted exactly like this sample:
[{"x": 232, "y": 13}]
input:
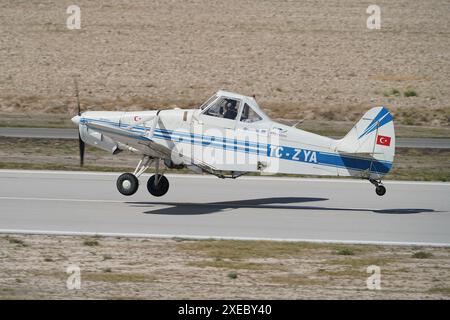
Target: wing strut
[{"x": 149, "y": 134}]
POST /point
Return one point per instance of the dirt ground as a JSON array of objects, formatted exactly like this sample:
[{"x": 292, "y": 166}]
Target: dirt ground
[
  {"x": 302, "y": 59},
  {"x": 35, "y": 267}
]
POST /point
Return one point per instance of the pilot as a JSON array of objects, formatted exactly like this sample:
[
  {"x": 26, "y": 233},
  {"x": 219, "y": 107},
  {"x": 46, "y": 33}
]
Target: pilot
[{"x": 231, "y": 111}]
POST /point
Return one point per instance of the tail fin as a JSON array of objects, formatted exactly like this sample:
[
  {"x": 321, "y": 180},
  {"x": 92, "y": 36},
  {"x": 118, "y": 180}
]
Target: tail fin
[{"x": 373, "y": 135}]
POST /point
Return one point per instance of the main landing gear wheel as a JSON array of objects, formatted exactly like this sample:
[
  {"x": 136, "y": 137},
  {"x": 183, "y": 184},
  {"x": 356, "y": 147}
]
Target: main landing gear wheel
[
  {"x": 158, "y": 185},
  {"x": 127, "y": 184},
  {"x": 380, "y": 190}
]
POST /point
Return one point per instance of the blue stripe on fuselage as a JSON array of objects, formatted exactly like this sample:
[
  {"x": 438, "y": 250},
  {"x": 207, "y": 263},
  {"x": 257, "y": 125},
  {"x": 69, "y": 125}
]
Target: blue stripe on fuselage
[
  {"x": 287, "y": 153},
  {"x": 328, "y": 159}
]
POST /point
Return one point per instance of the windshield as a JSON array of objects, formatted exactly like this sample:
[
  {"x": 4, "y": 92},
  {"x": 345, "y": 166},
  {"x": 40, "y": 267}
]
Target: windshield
[
  {"x": 226, "y": 108},
  {"x": 249, "y": 115},
  {"x": 208, "y": 102}
]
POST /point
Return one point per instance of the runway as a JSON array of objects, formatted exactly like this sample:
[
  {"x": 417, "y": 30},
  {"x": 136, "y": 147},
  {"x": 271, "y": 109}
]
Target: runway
[
  {"x": 57, "y": 133},
  {"x": 246, "y": 208},
  {"x": 39, "y": 133}
]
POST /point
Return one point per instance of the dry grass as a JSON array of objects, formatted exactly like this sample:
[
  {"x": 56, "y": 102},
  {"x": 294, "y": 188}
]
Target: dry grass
[
  {"x": 398, "y": 77},
  {"x": 440, "y": 290},
  {"x": 118, "y": 277},
  {"x": 361, "y": 262},
  {"x": 346, "y": 273},
  {"x": 234, "y": 265},
  {"x": 421, "y": 164},
  {"x": 238, "y": 250},
  {"x": 296, "y": 280}
]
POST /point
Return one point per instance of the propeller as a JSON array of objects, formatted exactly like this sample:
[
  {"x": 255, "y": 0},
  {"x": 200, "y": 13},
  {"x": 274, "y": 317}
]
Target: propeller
[{"x": 81, "y": 144}]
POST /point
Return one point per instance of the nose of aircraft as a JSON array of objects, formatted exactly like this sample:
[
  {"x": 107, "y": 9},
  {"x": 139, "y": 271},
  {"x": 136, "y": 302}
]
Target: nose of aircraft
[{"x": 76, "y": 120}]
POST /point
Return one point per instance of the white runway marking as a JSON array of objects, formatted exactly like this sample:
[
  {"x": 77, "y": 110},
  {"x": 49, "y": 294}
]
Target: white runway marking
[
  {"x": 59, "y": 199},
  {"x": 200, "y": 237}
]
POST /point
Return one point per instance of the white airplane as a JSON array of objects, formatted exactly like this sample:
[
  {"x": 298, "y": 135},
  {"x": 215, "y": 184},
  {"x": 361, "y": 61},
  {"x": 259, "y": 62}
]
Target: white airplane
[{"x": 229, "y": 136}]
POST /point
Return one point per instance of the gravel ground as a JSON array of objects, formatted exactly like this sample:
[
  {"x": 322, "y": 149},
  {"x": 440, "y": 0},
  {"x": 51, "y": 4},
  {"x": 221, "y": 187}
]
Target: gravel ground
[{"x": 34, "y": 267}]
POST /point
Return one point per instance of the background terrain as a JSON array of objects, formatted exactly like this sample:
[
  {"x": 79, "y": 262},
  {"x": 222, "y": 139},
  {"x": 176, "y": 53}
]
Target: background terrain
[
  {"x": 312, "y": 60},
  {"x": 34, "y": 267}
]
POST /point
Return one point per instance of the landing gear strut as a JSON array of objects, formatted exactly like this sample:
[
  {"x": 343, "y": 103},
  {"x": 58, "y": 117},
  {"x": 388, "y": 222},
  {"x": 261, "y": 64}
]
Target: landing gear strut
[
  {"x": 157, "y": 185},
  {"x": 128, "y": 183},
  {"x": 379, "y": 188}
]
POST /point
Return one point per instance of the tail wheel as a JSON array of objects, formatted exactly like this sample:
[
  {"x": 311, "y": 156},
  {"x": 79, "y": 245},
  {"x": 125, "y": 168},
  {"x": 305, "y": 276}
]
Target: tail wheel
[
  {"x": 160, "y": 188},
  {"x": 127, "y": 184},
  {"x": 380, "y": 190}
]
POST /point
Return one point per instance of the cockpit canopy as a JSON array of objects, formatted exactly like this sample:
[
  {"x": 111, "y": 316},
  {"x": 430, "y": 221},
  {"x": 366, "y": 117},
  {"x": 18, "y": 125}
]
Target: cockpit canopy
[{"x": 232, "y": 106}]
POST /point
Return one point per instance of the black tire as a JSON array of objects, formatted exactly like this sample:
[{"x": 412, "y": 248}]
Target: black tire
[
  {"x": 127, "y": 184},
  {"x": 380, "y": 190},
  {"x": 160, "y": 189}
]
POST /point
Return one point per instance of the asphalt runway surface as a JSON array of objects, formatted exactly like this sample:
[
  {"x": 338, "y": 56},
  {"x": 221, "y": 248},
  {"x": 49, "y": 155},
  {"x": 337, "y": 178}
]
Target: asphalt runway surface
[
  {"x": 321, "y": 210},
  {"x": 60, "y": 133}
]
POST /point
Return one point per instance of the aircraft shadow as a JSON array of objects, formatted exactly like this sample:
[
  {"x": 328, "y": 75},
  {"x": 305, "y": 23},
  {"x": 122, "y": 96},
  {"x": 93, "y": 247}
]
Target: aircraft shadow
[{"x": 190, "y": 208}]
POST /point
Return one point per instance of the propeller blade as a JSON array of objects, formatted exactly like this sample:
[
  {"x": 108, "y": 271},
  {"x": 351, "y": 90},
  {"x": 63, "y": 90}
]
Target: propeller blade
[
  {"x": 78, "y": 96},
  {"x": 81, "y": 146}
]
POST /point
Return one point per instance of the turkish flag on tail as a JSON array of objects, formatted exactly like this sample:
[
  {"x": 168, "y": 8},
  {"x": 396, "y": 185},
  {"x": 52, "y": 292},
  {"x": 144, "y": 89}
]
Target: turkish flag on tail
[{"x": 384, "y": 140}]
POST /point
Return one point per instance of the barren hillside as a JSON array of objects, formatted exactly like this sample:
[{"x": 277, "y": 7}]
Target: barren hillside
[{"x": 302, "y": 59}]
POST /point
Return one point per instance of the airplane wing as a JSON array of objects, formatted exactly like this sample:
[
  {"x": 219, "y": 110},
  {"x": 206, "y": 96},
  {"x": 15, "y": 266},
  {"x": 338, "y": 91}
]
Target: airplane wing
[
  {"x": 138, "y": 139},
  {"x": 109, "y": 134}
]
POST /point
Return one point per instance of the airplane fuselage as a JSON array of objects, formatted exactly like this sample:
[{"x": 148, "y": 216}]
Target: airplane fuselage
[{"x": 195, "y": 139}]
